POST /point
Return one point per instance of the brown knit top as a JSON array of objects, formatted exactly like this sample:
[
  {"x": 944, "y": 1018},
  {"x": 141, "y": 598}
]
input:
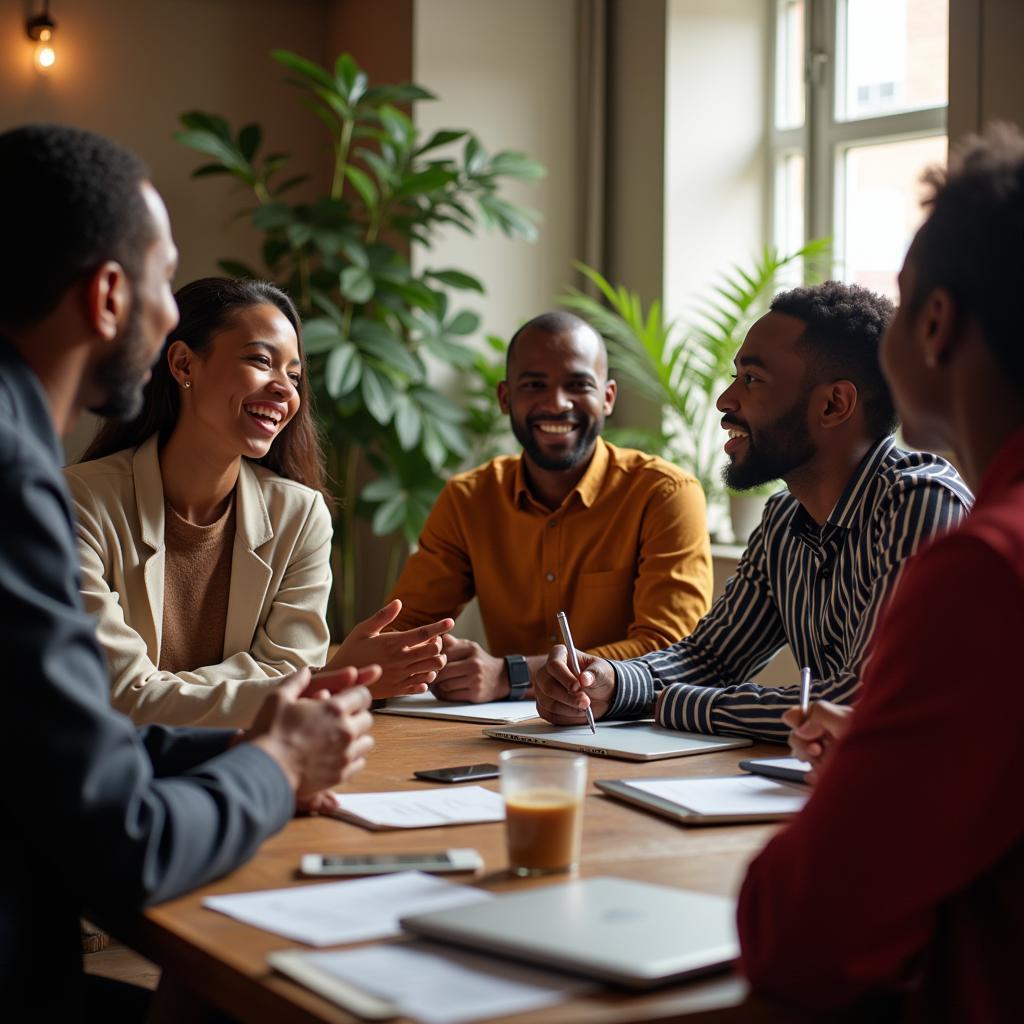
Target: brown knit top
[{"x": 197, "y": 579}]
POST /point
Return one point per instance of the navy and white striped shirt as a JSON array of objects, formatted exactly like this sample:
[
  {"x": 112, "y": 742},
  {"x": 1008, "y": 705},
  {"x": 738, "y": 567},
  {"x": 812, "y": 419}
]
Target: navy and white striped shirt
[{"x": 818, "y": 588}]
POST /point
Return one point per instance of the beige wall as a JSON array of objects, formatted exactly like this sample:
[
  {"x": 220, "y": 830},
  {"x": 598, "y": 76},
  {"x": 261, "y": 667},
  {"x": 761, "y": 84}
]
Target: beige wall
[
  {"x": 715, "y": 211},
  {"x": 506, "y": 71},
  {"x": 129, "y": 69}
]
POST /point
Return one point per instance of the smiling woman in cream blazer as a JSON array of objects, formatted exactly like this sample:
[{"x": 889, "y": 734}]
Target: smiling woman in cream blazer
[
  {"x": 203, "y": 529},
  {"x": 279, "y": 584}
]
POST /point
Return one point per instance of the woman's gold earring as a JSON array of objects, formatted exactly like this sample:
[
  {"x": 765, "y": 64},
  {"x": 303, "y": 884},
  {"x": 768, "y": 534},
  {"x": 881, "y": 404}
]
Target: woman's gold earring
[{"x": 187, "y": 384}]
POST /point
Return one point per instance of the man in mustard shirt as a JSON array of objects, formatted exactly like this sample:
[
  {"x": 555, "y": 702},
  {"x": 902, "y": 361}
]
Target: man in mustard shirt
[{"x": 614, "y": 537}]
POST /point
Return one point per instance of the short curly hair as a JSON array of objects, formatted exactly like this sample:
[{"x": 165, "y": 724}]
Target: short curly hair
[
  {"x": 972, "y": 243},
  {"x": 69, "y": 201},
  {"x": 845, "y": 325}
]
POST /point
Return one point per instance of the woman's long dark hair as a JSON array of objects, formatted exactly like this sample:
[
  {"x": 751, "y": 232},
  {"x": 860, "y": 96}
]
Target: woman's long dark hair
[{"x": 206, "y": 307}]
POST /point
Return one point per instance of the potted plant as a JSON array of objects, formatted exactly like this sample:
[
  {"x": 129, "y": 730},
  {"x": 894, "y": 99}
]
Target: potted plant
[
  {"x": 371, "y": 322},
  {"x": 746, "y": 508}
]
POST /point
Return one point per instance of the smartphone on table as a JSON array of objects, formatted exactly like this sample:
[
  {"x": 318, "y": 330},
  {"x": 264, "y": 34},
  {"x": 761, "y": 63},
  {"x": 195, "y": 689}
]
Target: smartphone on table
[
  {"x": 321, "y": 865},
  {"x": 461, "y": 773}
]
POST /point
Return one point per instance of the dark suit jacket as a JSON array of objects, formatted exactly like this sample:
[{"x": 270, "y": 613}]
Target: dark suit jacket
[{"x": 96, "y": 815}]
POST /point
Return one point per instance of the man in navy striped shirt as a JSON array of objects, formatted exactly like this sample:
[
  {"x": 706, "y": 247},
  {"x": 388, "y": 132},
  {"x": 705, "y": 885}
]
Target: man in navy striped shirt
[{"x": 808, "y": 405}]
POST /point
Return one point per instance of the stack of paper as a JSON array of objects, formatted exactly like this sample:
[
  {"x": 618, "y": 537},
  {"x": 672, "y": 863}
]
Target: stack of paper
[
  {"x": 337, "y": 912},
  {"x": 410, "y": 980}
]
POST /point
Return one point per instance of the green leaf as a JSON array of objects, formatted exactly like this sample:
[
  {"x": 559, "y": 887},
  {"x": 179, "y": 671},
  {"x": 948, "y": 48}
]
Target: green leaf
[
  {"x": 430, "y": 180},
  {"x": 356, "y": 284},
  {"x": 437, "y": 405},
  {"x": 249, "y": 140},
  {"x": 346, "y": 71},
  {"x": 320, "y": 335},
  {"x": 456, "y": 279},
  {"x": 380, "y": 489},
  {"x": 298, "y": 234},
  {"x": 213, "y": 145},
  {"x": 326, "y": 305},
  {"x": 363, "y": 184},
  {"x": 208, "y": 169},
  {"x": 517, "y": 165},
  {"x": 407, "y": 422},
  {"x": 376, "y": 340},
  {"x": 343, "y": 370},
  {"x": 308, "y": 69},
  {"x": 449, "y": 351},
  {"x": 464, "y": 323},
  {"x": 197, "y": 120},
  {"x": 272, "y": 215},
  {"x": 474, "y": 158},
  {"x": 440, "y": 138},
  {"x": 433, "y": 447},
  {"x": 389, "y": 515},
  {"x": 379, "y": 395},
  {"x": 397, "y": 125},
  {"x": 452, "y": 437},
  {"x": 407, "y": 93},
  {"x": 384, "y": 171},
  {"x": 236, "y": 268}
]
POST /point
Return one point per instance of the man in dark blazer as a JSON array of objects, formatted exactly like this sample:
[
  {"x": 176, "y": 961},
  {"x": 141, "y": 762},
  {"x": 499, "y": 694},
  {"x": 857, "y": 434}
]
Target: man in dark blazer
[{"x": 97, "y": 816}]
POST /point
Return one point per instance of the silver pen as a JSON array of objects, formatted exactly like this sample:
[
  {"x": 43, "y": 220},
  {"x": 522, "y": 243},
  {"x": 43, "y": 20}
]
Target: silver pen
[
  {"x": 574, "y": 662},
  {"x": 805, "y": 691}
]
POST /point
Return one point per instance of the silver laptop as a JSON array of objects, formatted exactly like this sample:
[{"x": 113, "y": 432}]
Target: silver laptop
[
  {"x": 632, "y": 741},
  {"x": 631, "y": 933}
]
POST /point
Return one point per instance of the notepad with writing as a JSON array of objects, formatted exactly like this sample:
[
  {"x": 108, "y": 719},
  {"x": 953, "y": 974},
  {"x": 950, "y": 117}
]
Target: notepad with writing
[{"x": 710, "y": 801}]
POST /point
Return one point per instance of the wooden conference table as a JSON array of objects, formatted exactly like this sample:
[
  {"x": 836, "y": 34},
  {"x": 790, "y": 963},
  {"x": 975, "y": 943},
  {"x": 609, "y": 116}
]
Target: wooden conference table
[{"x": 208, "y": 958}]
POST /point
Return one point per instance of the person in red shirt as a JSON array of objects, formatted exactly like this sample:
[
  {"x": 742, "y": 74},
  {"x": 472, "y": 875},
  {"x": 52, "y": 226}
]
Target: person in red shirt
[{"x": 902, "y": 880}]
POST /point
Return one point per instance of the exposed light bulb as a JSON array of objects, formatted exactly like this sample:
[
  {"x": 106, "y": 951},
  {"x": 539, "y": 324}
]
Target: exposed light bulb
[{"x": 45, "y": 56}]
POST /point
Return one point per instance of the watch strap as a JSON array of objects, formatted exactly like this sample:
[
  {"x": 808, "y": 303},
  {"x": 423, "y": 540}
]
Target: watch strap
[{"x": 518, "y": 676}]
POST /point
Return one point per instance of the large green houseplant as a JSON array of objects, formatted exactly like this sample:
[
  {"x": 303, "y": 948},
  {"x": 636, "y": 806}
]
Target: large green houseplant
[
  {"x": 682, "y": 368},
  {"x": 370, "y": 319}
]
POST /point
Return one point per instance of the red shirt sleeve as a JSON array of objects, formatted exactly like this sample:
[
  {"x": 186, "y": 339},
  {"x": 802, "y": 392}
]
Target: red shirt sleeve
[{"x": 919, "y": 799}]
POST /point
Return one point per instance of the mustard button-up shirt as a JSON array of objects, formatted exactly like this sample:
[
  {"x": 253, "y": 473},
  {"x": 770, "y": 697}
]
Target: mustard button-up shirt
[{"x": 626, "y": 555}]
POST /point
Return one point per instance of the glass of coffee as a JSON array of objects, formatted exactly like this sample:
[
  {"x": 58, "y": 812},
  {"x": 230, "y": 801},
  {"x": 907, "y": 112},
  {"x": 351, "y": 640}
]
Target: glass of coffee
[{"x": 543, "y": 809}]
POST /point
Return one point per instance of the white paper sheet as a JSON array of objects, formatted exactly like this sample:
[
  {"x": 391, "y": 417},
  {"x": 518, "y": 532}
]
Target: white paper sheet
[
  {"x": 744, "y": 794},
  {"x": 792, "y": 763},
  {"x": 428, "y": 706},
  {"x": 434, "y": 987},
  {"x": 338, "y": 912},
  {"x": 421, "y": 808}
]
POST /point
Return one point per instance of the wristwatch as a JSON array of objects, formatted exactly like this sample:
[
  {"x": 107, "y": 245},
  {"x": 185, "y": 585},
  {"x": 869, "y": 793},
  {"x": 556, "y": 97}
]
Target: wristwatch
[{"x": 518, "y": 677}]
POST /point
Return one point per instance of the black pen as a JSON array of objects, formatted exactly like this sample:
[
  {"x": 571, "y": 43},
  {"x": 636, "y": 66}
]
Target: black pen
[{"x": 574, "y": 662}]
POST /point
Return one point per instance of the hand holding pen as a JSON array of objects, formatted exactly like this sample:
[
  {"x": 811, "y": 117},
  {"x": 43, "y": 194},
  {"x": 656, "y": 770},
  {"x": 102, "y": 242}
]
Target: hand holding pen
[
  {"x": 574, "y": 662},
  {"x": 815, "y": 727}
]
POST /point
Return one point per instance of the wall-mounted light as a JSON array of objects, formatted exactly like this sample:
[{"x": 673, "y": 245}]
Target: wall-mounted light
[{"x": 40, "y": 29}]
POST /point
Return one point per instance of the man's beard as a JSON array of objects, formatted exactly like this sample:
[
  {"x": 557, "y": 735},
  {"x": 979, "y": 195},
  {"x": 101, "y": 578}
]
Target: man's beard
[
  {"x": 573, "y": 456},
  {"x": 779, "y": 450},
  {"x": 121, "y": 377}
]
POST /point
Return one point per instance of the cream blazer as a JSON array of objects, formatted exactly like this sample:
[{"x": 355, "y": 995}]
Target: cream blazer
[{"x": 280, "y": 579}]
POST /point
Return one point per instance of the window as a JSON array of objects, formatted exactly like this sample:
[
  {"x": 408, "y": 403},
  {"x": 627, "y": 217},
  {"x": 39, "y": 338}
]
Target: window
[{"x": 858, "y": 112}]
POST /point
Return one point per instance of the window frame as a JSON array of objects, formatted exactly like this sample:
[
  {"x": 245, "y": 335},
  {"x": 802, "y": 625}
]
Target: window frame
[{"x": 822, "y": 138}]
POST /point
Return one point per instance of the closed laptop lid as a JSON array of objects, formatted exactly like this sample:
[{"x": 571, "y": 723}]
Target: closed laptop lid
[
  {"x": 632, "y": 933},
  {"x": 632, "y": 741}
]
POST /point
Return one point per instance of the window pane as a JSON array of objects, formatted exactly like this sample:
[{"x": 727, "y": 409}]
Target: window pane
[
  {"x": 880, "y": 190},
  {"x": 789, "y": 64},
  {"x": 893, "y": 56},
  {"x": 789, "y": 202}
]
